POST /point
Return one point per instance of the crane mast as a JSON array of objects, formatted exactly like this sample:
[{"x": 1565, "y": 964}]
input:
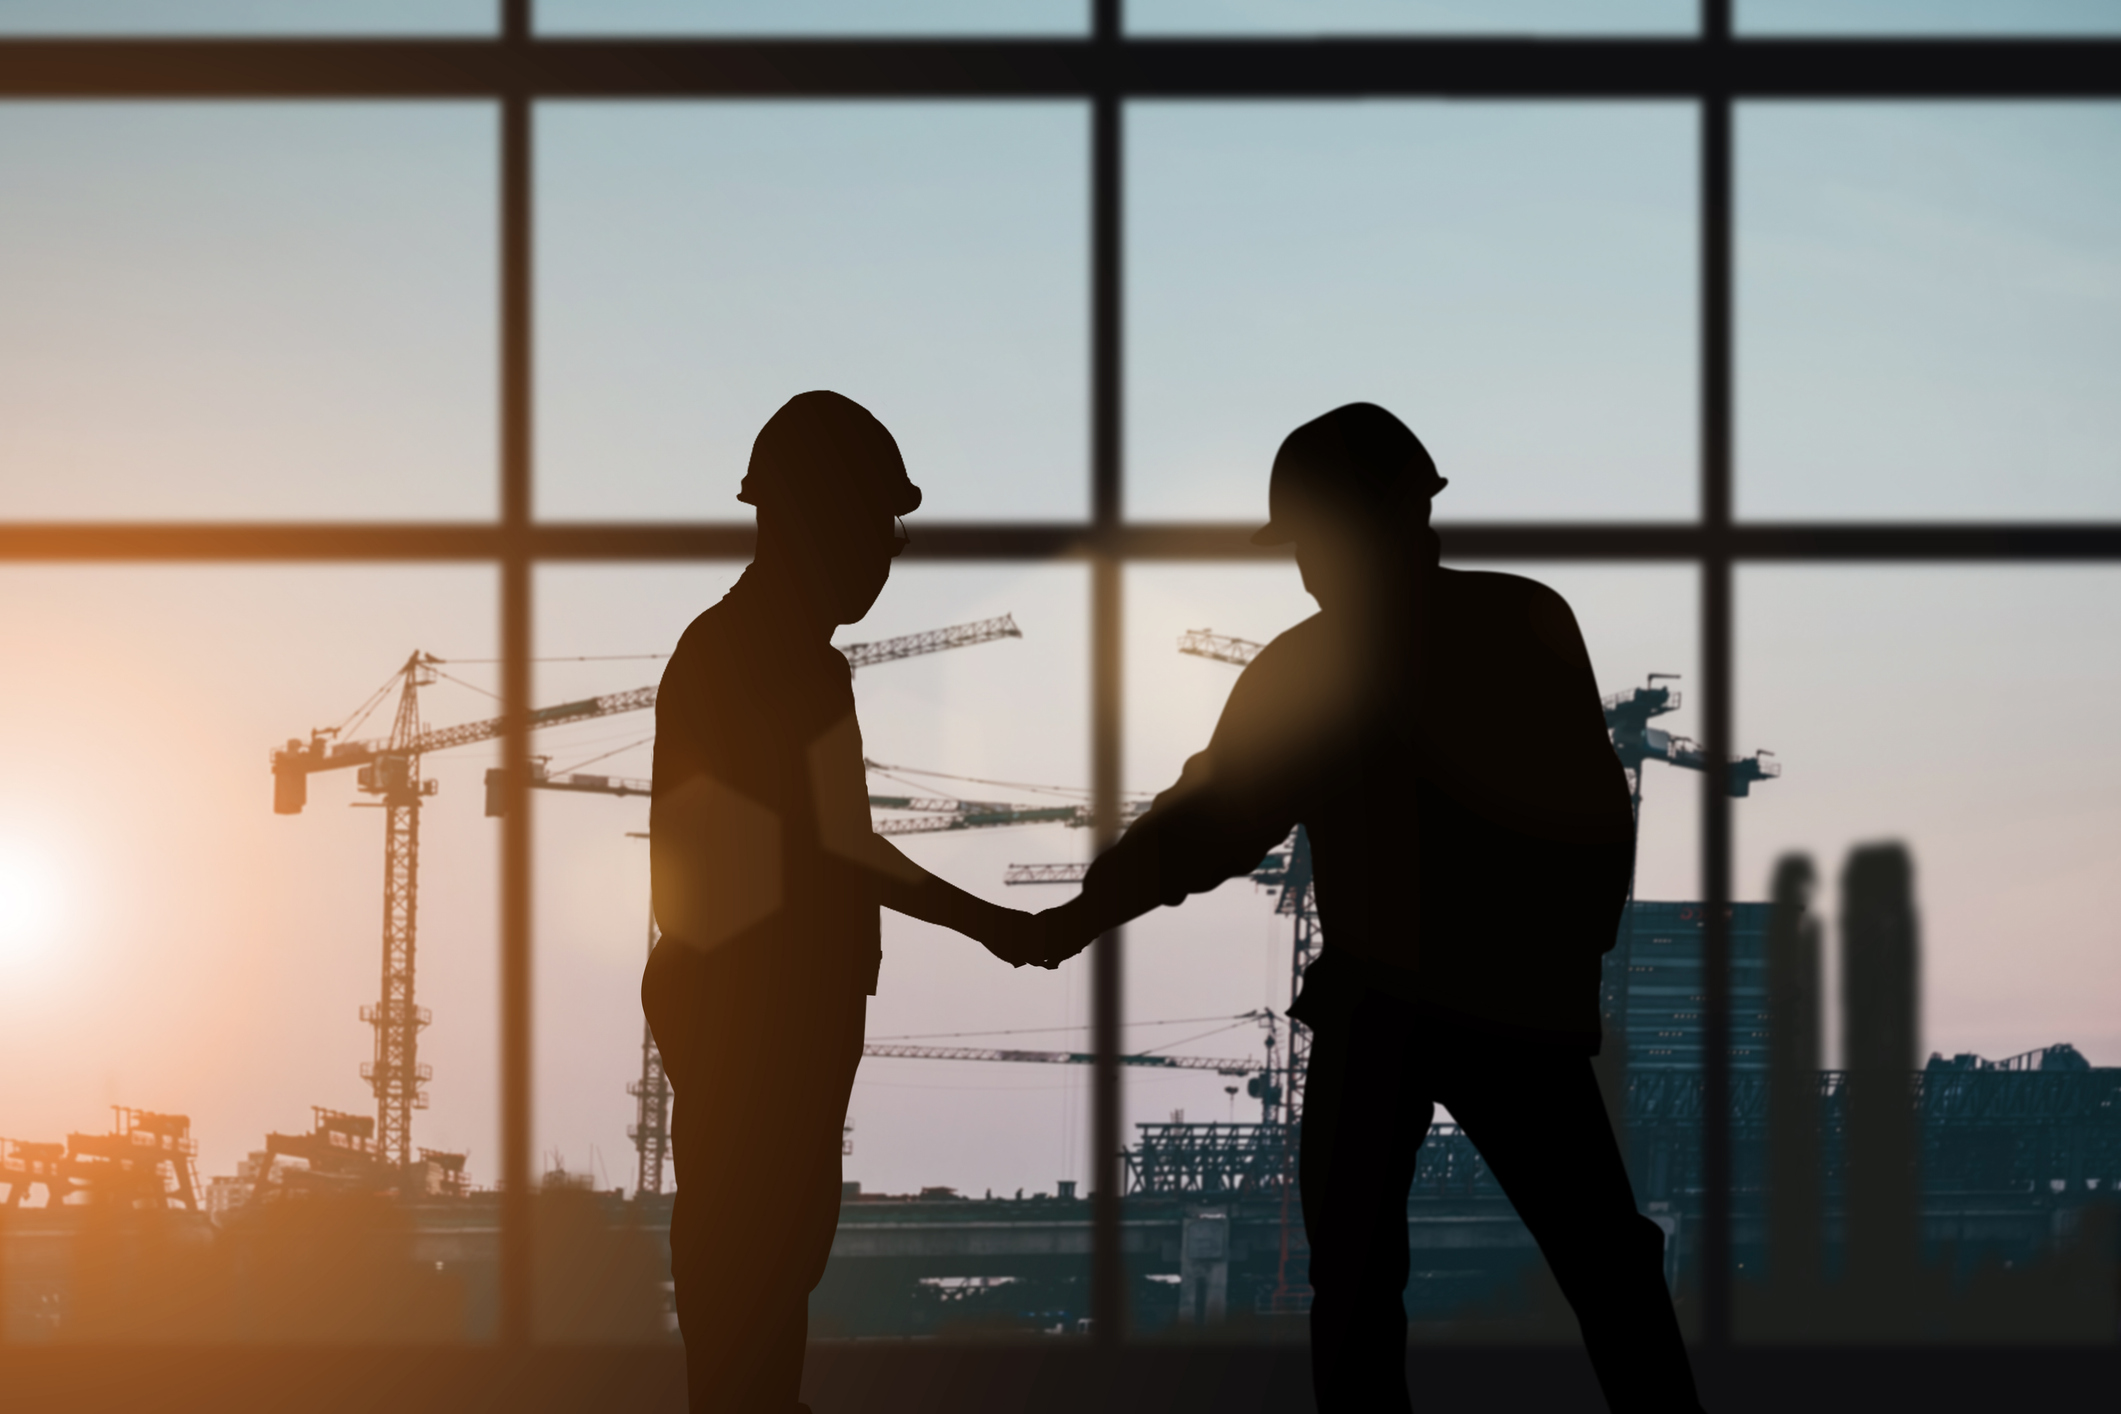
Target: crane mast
[
  {"x": 650, "y": 1130},
  {"x": 396, "y": 1075}
]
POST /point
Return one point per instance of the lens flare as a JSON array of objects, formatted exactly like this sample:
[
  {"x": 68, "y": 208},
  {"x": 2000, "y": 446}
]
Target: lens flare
[{"x": 29, "y": 905}]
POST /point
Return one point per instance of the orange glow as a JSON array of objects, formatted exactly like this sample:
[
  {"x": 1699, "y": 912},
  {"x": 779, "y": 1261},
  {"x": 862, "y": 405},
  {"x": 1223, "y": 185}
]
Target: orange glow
[{"x": 30, "y": 889}]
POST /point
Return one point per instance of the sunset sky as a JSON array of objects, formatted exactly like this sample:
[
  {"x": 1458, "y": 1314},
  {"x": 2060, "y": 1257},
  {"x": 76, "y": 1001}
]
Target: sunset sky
[{"x": 279, "y": 311}]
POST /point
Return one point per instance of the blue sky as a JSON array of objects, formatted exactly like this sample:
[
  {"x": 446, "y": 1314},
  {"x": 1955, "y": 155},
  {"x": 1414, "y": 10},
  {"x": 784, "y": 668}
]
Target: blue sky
[{"x": 272, "y": 311}]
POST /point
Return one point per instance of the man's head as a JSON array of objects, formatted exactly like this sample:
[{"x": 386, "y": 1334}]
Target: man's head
[
  {"x": 1352, "y": 490},
  {"x": 829, "y": 484}
]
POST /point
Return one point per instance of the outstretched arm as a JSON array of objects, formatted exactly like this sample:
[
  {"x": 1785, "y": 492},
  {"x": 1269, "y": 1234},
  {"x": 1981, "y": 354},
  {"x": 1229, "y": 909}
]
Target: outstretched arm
[
  {"x": 845, "y": 828},
  {"x": 1013, "y": 936},
  {"x": 1233, "y": 802}
]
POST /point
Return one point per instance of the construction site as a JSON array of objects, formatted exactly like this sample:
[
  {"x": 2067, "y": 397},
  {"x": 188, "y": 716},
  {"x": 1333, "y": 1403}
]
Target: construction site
[{"x": 1993, "y": 1180}]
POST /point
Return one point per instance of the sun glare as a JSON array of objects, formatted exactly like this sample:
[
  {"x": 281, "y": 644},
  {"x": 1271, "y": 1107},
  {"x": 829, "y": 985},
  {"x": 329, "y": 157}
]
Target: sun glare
[{"x": 29, "y": 905}]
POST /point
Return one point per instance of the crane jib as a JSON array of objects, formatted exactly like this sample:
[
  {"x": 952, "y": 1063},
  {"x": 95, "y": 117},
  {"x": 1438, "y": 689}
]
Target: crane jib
[
  {"x": 1221, "y": 1065},
  {"x": 320, "y": 755}
]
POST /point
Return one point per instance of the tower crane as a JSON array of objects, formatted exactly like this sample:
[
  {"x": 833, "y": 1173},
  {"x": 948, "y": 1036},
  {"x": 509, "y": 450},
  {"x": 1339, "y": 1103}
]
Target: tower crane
[
  {"x": 390, "y": 769},
  {"x": 1636, "y": 742}
]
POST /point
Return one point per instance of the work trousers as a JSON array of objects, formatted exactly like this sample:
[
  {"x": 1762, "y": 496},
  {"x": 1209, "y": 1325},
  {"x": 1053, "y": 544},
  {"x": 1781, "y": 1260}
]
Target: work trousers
[
  {"x": 761, "y": 1072},
  {"x": 1377, "y": 1073}
]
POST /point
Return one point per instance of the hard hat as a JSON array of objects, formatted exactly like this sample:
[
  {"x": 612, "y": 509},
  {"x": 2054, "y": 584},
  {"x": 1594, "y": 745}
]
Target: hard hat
[
  {"x": 824, "y": 450},
  {"x": 1356, "y": 461}
]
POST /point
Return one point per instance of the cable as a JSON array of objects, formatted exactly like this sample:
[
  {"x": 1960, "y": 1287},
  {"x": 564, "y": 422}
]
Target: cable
[
  {"x": 1150, "y": 1076},
  {"x": 613, "y": 752},
  {"x": 591, "y": 658},
  {"x": 1189, "y": 1039},
  {"x": 450, "y": 677},
  {"x": 1038, "y": 1030},
  {"x": 883, "y": 767},
  {"x": 360, "y": 713}
]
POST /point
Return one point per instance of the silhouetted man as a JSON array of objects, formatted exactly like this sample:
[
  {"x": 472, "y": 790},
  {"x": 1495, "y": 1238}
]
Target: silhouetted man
[
  {"x": 1439, "y": 736},
  {"x": 767, "y": 880}
]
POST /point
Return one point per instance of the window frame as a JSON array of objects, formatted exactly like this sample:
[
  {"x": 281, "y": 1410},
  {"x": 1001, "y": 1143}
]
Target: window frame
[{"x": 515, "y": 69}]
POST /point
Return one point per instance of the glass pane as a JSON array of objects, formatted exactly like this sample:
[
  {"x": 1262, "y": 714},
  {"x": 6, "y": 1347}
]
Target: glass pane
[
  {"x": 934, "y": 1142},
  {"x": 247, "y": 311},
  {"x": 1516, "y": 281},
  {"x": 241, "y": 17},
  {"x": 1927, "y": 310},
  {"x": 813, "y": 17},
  {"x": 699, "y": 264},
  {"x": 1300, "y": 17},
  {"x": 1199, "y": 975},
  {"x": 1952, "y": 784},
  {"x": 211, "y": 965},
  {"x": 1940, "y": 17}
]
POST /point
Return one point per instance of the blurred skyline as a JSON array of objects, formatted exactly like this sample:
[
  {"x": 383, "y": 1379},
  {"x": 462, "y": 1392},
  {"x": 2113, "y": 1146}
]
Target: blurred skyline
[{"x": 281, "y": 311}]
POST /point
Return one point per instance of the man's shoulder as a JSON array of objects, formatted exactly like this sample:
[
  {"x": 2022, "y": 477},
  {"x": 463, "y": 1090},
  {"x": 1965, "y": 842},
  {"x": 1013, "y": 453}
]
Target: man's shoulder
[
  {"x": 706, "y": 647},
  {"x": 1506, "y": 622},
  {"x": 1295, "y": 645},
  {"x": 1490, "y": 601},
  {"x": 1484, "y": 588},
  {"x": 1302, "y": 671}
]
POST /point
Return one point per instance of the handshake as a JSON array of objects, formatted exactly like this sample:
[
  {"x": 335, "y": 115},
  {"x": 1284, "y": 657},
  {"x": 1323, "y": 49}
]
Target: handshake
[{"x": 1045, "y": 939}]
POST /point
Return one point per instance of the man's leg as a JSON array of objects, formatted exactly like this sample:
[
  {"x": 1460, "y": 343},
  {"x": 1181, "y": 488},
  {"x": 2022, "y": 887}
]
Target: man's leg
[
  {"x": 1362, "y": 1127},
  {"x": 1541, "y": 1124},
  {"x": 757, "y": 1146}
]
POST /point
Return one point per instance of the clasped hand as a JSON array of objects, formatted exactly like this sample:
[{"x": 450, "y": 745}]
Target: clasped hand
[{"x": 1040, "y": 939}]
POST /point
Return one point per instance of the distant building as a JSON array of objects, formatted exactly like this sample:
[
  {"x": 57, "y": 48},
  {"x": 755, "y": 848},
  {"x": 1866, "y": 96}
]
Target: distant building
[
  {"x": 1652, "y": 994},
  {"x": 229, "y": 1192}
]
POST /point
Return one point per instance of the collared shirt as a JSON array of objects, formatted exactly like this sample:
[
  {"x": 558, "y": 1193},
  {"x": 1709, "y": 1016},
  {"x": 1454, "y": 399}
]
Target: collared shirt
[
  {"x": 1471, "y": 834},
  {"x": 760, "y": 800}
]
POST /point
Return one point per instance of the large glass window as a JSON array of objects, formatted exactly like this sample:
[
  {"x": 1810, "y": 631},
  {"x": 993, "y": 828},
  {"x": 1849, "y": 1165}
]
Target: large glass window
[{"x": 338, "y": 374}]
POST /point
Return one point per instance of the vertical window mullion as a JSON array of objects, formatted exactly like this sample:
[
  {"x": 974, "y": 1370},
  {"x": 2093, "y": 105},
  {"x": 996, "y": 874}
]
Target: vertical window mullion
[
  {"x": 516, "y": 1256},
  {"x": 1716, "y": 350},
  {"x": 1107, "y": 1274}
]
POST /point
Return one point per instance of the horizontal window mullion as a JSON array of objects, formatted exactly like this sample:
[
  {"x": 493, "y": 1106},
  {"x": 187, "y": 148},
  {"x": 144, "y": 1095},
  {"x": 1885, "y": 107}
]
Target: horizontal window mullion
[
  {"x": 985, "y": 68},
  {"x": 558, "y": 542}
]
